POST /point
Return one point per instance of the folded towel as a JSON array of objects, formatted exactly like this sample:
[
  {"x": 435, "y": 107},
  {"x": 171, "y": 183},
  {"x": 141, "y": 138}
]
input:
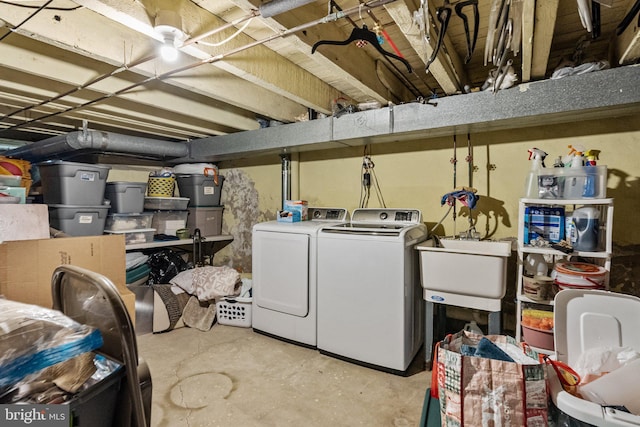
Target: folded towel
[
  {"x": 199, "y": 315},
  {"x": 214, "y": 282}
]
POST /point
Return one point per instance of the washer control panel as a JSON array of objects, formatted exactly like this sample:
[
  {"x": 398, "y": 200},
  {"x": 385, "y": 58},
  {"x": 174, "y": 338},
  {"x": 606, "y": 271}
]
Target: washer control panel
[
  {"x": 328, "y": 214},
  {"x": 386, "y": 216}
]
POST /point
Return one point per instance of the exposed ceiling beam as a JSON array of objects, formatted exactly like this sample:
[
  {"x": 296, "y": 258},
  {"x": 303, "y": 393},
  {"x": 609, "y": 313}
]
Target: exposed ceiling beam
[
  {"x": 528, "y": 21},
  {"x": 612, "y": 93},
  {"x": 449, "y": 79},
  {"x": 627, "y": 44},
  {"x": 348, "y": 68},
  {"x": 24, "y": 60},
  {"x": 259, "y": 65},
  {"x": 546, "y": 13},
  {"x": 116, "y": 45}
]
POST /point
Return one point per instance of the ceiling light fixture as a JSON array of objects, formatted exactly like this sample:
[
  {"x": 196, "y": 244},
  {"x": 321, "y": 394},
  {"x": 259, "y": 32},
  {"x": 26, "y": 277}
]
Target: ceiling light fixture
[{"x": 168, "y": 26}]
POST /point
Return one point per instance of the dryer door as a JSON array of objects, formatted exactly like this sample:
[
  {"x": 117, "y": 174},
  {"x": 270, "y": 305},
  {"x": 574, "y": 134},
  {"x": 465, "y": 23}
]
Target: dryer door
[{"x": 281, "y": 272}]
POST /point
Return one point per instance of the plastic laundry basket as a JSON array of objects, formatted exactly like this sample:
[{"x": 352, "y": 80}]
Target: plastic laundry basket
[{"x": 234, "y": 311}]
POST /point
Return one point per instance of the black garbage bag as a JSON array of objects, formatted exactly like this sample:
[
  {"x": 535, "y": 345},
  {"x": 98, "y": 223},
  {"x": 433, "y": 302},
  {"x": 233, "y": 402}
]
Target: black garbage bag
[{"x": 165, "y": 265}]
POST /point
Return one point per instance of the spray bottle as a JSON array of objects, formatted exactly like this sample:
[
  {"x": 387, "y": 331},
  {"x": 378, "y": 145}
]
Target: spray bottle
[
  {"x": 578, "y": 182},
  {"x": 575, "y": 157},
  {"x": 592, "y": 156},
  {"x": 538, "y": 156}
]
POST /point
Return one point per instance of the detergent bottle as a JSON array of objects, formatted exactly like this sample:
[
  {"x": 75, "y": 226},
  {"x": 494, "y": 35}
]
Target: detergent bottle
[
  {"x": 590, "y": 189},
  {"x": 531, "y": 186},
  {"x": 586, "y": 227}
]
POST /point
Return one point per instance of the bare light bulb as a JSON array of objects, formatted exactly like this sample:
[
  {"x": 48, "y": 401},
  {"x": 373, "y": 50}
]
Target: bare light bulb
[
  {"x": 168, "y": 50},
  {"x": 168, "y": 26}
]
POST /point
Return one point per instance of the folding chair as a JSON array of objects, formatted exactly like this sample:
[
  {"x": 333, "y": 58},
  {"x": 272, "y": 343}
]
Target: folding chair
[{"x": 92, "y": 299}]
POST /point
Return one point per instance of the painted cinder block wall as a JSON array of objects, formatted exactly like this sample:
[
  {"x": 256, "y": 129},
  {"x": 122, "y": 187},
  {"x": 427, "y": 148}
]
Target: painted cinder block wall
[{"x": 417, "y": 174}]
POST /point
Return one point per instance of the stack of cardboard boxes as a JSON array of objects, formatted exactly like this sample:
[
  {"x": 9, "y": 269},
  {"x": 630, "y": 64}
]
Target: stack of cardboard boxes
[{"x": 28, "y": 257}]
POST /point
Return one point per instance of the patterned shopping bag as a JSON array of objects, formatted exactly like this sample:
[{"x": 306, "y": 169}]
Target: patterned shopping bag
[{"x": 482, "y": 391}]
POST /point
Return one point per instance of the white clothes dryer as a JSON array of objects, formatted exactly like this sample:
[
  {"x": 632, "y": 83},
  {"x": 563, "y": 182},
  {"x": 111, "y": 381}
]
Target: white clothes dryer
[
  {"x": 370, "y": 308},
  {"x": 285, "y": 275}
]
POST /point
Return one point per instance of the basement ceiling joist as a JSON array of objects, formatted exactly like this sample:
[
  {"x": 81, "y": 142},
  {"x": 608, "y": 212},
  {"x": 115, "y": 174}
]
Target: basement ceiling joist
[
  {"x": 545, "y": 102},
  {"x": 82, "y": 60}
]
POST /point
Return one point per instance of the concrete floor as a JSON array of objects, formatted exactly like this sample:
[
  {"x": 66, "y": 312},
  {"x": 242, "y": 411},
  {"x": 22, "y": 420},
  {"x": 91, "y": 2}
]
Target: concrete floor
[{"x": 232, "y": 376}]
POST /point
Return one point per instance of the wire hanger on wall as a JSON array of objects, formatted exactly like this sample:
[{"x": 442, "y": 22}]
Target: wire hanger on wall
[{"x": 368, "y": 178}]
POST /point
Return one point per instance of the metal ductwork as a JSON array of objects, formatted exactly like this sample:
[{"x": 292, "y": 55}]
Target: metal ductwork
[
  {"x": 277, "y": 7},
  {"x": 98, "y": 142}
]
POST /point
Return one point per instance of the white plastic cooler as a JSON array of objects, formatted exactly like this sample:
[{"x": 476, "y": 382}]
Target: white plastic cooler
[{"x": 586, "y": 319}]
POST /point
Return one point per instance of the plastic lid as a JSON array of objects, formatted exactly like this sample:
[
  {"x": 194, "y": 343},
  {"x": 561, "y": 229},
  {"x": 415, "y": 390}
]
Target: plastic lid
[
  {"x": 585, "y": 319},
  {"x": 137, "y": 184},
  {"x": 63, "y": 162},
  {"x": 137, "y": 230},
  {"x": 583, "y": 269}
]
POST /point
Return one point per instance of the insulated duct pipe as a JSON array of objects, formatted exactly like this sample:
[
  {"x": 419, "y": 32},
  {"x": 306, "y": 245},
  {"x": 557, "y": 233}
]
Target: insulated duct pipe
[
  {"x": 277, "y": 7},
  {"x": 98, "y": 142},
  {"x": 286, "y": 178}
]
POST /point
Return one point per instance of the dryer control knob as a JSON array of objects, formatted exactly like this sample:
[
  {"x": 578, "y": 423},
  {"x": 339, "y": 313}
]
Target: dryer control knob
[{"x": 383, "y": 216}]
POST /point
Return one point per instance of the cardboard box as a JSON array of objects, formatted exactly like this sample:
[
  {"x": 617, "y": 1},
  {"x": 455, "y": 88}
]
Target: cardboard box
[
  {"x": 26, "y": 266},
  {"x": 288, "y": 216},
  {"x": 294, "y": 211},
  {"x": 23, "y": 222}
]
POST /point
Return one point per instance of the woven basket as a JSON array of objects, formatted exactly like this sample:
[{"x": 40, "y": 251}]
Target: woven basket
[{"x": 161, "y": 186}]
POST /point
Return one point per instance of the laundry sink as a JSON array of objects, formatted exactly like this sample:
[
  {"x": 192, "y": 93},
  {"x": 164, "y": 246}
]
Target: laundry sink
[
  {"x": 477, "y": 247},
  {"x": 471, "y": 268}
]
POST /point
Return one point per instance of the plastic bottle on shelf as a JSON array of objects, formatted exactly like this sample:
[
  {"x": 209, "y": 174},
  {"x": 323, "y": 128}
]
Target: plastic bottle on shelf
[
  {"x": 536, "y": 265},
  {"x": 531, "y": 187},
  {"x": 585, "y": 226}
]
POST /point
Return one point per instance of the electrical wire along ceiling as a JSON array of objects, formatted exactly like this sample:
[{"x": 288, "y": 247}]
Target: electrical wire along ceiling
[{"x": 184, "y": 70}]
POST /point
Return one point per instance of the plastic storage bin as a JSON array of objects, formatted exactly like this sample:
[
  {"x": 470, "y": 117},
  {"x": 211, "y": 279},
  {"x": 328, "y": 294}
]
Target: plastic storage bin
[
  {"x": 166, "y": 203},
  {"x": 135, "y": 236},
  {"x": 234, "y": 311},
  {"x": 208, "y": 220},
  {"x": 78, "y": 220},
  {"x": 587, "y": 319},
  {"x": 120, "y": 222},
  {"x": 168, "y": 222},
  {"x": 201, "y": 189},
  {"x": 126, "y": 197},
  {"x": 537, "y": 328},
  {"x": 68, "y": 183},
  {"x": 10, "y": 180},
  {"x": 96, "y": 406},
  {"x": 587, "y": 182},
  {"x": 195, "y": 168}
]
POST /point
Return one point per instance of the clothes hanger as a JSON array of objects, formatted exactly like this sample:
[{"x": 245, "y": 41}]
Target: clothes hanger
[
  {"x": 443, "y": 14},
  {"x": 471, "y": 44},
  {"x": 367, "y": 35}
]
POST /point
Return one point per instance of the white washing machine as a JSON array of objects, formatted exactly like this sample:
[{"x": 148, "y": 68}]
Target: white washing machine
[
  {"x": 370, "y": 308},
  {"x": 285, "y": 275}
]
